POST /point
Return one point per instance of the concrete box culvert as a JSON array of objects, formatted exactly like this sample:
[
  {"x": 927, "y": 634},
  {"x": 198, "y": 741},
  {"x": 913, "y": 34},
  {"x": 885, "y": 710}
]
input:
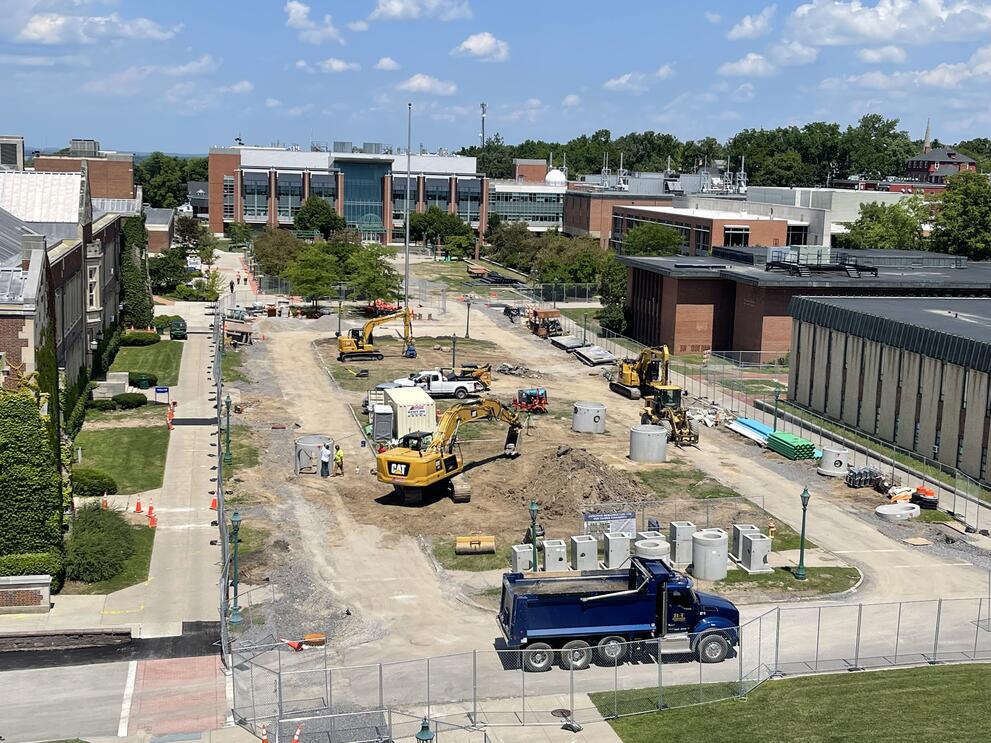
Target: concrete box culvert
[
  {"x": 648, "y": 444},
  {"x": 710, "y": 551},
  {"x": 588, "y": 417},
  {"x": 306, "y": 456},
  {"x": 898, "y": 511}
]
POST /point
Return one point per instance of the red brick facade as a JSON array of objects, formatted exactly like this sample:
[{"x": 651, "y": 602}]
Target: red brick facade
[
  {"x": 590, "y": 213},
  {"x": 108, "y": 178},
  {"x": 530, "y": 172},
  {"x": 219, "y": 165}
]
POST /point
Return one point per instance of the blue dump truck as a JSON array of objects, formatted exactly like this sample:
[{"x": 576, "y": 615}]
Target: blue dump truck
[{"x": 594, "y": 614}]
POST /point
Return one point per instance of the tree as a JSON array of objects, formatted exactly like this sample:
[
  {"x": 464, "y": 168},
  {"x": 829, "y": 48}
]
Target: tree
[
  {"x": 313, "y": 273},
  {"x": 612, "y": 291},
  {"x": 876, "y": 147},
  {"x": 317, "y": 214},
  {"x": 207, "y": 247},
  {"x": 458, "y": 246},
  {"x": 652, "y": 239},
  {"x": 963, "y": 217},
  {"x": 436, "y": 225},
  {"x": 238, "y": 233},
  {"x": 370, "y": 273},
  {"x": 894, "y": 226},
  {"x": 783, "y": 169},
  {"x": 189, "y": 231},
  {"x": 493, "y": 223},
  {"x": 163, "y": 180},
  {"x": 168, "y": 269},
  {"x": 275, "y": 249}
]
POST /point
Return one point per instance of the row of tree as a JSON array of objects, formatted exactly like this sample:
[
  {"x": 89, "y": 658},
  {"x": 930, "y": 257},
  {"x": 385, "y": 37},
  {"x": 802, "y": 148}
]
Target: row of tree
[
  {"x": 811, "y": 155},
  {"x": 163, "y": 178}
]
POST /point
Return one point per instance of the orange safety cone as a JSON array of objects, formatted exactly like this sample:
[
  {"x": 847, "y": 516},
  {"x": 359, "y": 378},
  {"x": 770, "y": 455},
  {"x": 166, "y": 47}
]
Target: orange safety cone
[
  {"x": 295, "y": 737},
  {"x": 213, "y": 503},
  {"x": 295, "y": 645},
  {"x": 103, "y": 501},
  {"x": 137, "y": 505},
  {"x": 151, "y": 507},
  {"x": 152, "y": 521},
  {"x": 264, "y": 734}
]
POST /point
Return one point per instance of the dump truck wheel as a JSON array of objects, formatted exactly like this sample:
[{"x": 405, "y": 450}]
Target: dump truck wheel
[
  {"x": 576, "y": 655},
  {"x": 711, "y": 648},
  {"x": 612, "y": 650},
  {"x": 538, "y": 657}
]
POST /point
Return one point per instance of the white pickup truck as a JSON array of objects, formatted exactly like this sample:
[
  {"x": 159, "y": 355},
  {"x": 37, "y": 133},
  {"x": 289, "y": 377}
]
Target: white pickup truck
[{"x": 437, "y": 385}]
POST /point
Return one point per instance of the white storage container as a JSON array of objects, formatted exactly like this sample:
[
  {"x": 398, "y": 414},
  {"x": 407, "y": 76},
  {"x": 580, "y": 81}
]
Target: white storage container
[
  {"x": 584, "y": 552},
  {"x": 412, "y": 409},
  {"x": 755, "y": 550},
  {"x": 555, "y": 554},
  {"x": 709, "y": 554}
]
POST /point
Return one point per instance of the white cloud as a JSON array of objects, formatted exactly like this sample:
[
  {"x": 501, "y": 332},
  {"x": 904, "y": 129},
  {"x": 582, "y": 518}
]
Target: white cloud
[
  {"x": 531, "y": 110},
  {"x": 302, "y": 64},
  {"x": 420, "y": 83},
  {"x": 200, "y": 66},
  {"x": 310, "y": 31},
  {"x": 837, "y": 22},
  {"x": 881, "y": 54},
  {"x": 712, "y": 17},
  {"x": 630, "y": 82},
  {"x": 664, "y": 72},
  {"x": 242, "y": 86},
  {"x": 387, "y": 63},
  {"x": 946, "y": 75},
  {"x": 752, "y": 65},
  {"x": 358, "y": 25},
  {"x": 752, "y": 26},
  {"x": 40, "y": 60},
  {"x": 408, "y": 10},
  {"x": 131, "y": 80},
  {"x": 743, "y": 93},
  {"x": 299, "y": 110},
  {"x": 272, "y": 103},
  {"x": 571, "y": 100},
  {"x": 332, "y": 64},
  {"x": 58, "y": 28},
  {"x": 793, "y": 53},
  {"x": 483, "y": 46}
]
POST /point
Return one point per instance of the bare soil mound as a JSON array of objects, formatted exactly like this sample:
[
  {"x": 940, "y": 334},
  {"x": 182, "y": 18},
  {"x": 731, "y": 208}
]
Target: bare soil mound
[{"x": 566, "y": 481}]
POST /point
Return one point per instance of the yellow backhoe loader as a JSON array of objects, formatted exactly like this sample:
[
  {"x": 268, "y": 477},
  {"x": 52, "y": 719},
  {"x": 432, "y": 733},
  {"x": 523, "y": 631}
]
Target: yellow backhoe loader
[
  {"x": 424, "y": 461},
  {"x": 359, "y": 343},
  {"x": 649, "y": 376}
]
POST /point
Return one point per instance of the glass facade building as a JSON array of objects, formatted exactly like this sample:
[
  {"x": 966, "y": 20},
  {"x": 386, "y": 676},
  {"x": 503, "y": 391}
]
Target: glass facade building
[
  {"x": 290, "y": 194},
  {"x": 537, "y": 208},
  {"x": 469, "y": 195},
  {"x": 437, "y": 192},
  {"x": 324, "y": 186},
  {"x": 255, "y": 196},
  {"x": 363, "y": 196},
  {"x": 399, "y": 197}
]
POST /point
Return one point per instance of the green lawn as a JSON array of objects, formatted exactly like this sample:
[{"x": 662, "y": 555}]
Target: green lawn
[
  {"x": 232, "y": 367},
  {"x": 161, "y": 359},
  {"x": 684, "y": 482},
  {"x": 150, "y": 413},
  {"x": 443, "y": 549},
  {"x": 243, "y": 449},
  {"x": 933, "y": 516},
  {"x": 941, "y": 703},
  {"x": 134, "y": 457},
  {"x": 819, "y": 580},
  {"x": 135, "y": 569}
]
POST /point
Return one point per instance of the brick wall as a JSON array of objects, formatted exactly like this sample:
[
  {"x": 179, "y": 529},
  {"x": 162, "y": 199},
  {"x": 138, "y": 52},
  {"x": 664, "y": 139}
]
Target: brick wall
[
  {"x": 20, "y": 594},
  {"x": 108, "y": 179},
  {"x": 220, "y": 164},
  {"x": 12, "y": 345},
  {"x": 534, "y": 173}
]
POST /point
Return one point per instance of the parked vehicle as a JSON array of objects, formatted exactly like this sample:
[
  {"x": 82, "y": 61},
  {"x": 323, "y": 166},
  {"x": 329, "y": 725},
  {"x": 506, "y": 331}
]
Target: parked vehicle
[
  {"x": 177, "y": 330},
  {"x": 595, "y": 613},
  {"x": 437, "y": 384}
]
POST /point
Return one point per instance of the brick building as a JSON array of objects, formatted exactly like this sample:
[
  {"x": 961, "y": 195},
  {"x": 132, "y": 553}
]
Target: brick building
[
  {"x": 160, "y": 225},
  {"x": 26, "y": 304},
  {"x": 935, "y": 166},
  {"x": 702, "y": 230},
  {"x": 737, "y": 299},
  {"x": 589, "y": 212},
  {"x": 111, "y": 174},
  {"x": 529, "y": 170}
]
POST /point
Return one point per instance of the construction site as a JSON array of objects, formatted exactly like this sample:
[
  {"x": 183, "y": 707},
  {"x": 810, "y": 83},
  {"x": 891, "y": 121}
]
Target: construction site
[{"x": 486, "y": 435}]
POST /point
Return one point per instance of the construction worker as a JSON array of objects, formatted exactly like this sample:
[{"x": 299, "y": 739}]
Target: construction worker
[
  {"x": 325, "y": 461},
  {"x": 170, "y": 415},
  {"x": 338, "y": 460}
]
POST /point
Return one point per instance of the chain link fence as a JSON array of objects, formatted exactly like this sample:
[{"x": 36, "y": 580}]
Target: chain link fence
[{"x": 463, "y": 693}]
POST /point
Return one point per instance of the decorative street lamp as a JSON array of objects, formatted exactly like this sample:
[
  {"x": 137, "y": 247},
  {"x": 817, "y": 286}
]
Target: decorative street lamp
[
  {"x": 454, "y": 352},
  {"x": 800, "y": 572},
  {"x": 425, "y": 734},
  {"x": 468, "y": 315},
  {"x": 533, "y": 531},
  {"x": 777, "y": 396},
  {"x": 235, "y": 616},
  {"x": 228, "y": 457},
  {"x": 584, "y": 326}
]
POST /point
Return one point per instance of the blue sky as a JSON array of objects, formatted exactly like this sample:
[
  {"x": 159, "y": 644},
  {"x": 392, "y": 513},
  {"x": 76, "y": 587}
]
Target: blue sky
[{"x": 182, "y": 76}]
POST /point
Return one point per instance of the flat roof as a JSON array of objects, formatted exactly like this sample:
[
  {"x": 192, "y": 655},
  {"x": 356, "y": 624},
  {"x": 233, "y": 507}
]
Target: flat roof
[
  {"x": 722, "y": 214},
  {"x": 956, "y": 330}
]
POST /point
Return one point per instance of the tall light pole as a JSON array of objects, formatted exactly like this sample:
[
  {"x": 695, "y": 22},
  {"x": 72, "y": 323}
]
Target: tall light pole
[
  {"x": 409, "y": 144},
  {"x": 467, "y": 315},
  {"x": 482, "y": 135},
  {"x": 235, "y": 615},
  {"x": 800, "y": 572},
  {"x": 777, "y": 396}
]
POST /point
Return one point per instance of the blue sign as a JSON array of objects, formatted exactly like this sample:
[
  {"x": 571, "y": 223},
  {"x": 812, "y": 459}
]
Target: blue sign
[{"x": 161, "y": 390}]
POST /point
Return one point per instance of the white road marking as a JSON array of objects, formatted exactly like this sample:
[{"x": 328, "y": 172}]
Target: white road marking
[
  {"x": 935, "y": 565},
  {"x": 125, "y": 705},
  {"x": 857, "y": 552}
]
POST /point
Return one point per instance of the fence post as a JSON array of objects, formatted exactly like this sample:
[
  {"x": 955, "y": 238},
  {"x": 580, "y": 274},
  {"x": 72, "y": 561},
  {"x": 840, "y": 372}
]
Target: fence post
[
  {"x": 856, "y": 652},
  {"x": 939, "y": 615},
  {"x": 279, "y": 656},
  {"x": 326, "y": 678},
  {"x": 777, "y": 644},
  {"x": 739, "y": 655},
  {"x": 977, "y": 626},
  {"x": 898, "y": 631},
  {"x": 523, "y": 684},
  {"x": 660, "y": 676},
  {"x": 428, "y": 686},
  {"x": 381, "y": 688},
  {"x": 474, "y": 687},
  {"x": 818, "y": 632}
]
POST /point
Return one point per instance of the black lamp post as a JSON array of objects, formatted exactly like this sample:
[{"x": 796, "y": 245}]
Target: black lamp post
[
  {"x": 425, "y": 734},
  {"x": 454, "y": 352},
  {"x": 800, "y": 572},
  {"x": 777, "y": 396},
  {"x": 467, "y": 316},
  {"x": 584, "y": 326},
  {"x": 235, "y": 616},
  {"x": 228, "y": 457},
  {"x": 533, "y": 531}
]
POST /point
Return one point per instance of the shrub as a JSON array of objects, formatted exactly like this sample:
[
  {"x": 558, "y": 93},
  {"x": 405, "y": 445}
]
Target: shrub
[
  {"x": 130, "y": 400},
  {"x": 134, "y": 378},
  {"x": 104, "y": 405},
  {"x": 34, "y": 563},
  {"x": 139, "y": 338},
  {"x": 92, "y": 483},
  {"x": 161, "y": 323},
  {"x": 99, "y": 544},
  {"x": 197, "y": 293}
]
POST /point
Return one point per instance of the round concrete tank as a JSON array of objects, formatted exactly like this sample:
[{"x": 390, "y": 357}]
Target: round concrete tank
[
  {"x": 649, "y": 444},
  {"x": 710, "y": 550},
  {"x": 833, "y": 462},
  {"x": 306, "y": 458},
  {"x": 652, "y": 549},
  {"x": 588, "y": 417}
]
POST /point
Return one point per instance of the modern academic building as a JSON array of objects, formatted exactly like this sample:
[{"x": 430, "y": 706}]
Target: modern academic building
[{"x": 913, "y": 372}]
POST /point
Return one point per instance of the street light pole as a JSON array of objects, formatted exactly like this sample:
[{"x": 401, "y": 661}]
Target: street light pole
[
  {"x": 800, "y": 572},
  {"x": 340, "y": 305},
  {"x": 777, "y": 396},
  {"x": 533, "y": 531},
  {"x": 235, "y": 615},
  {"x": 409, "y": 140},
  {"x": 467, "y": 316},
  {"x": 454, "y": 352},
  {"x": 228, "y": 457},
  {"x": 584, "y": 326}
]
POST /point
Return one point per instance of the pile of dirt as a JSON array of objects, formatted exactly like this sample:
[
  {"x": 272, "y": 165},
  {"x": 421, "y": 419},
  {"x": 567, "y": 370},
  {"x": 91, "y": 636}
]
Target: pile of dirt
[{"x": 566, "y": 481}]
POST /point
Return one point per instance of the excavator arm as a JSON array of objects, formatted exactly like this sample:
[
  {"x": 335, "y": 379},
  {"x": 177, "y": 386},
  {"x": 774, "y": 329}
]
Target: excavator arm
[
  {"x": 445, "y": 435},
  {"x": 636, "y": 376},
  {"x": 407, "y": 318}
]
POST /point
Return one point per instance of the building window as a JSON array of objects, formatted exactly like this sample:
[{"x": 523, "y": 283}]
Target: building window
[
  {"x": 363, "y": 197},
  {"x": 798, "y": 234},
  {"x": 228, "y": 197},
  {"x": 437, "y": 193},
  {"x": 399, "y": 197},
  {"x": 289, "y": 189},
  {"x": 469, "y": 195},
  {"x": 703, "y": 240},
  {"x": 93, "y": 287},
  {"x": 255, "y": 190},
  {"x": 324, "y": 187},
  {"x": 736, "y": 236},
  {"x": 537, "y": 209}
]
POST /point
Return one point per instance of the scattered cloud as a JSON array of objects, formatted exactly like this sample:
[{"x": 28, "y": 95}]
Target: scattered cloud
[
  {"x": 752, "y": 26},
  {"x": 529, "y": 111},
  {"x": 571, "y": 100},
  {"x": 242, "y": 86},
  {"x": 59, "y": 28},
  {"x": 41, "y": 60},
  {"x": 408, "y": 10},
  {"x": 272, "y": 103},
  {"x": 484, "y": 47},
  {"x": 438, "y": 112},
  {"x": 882, "y": 54},
  {"x": 630, "y": 82},
  {"x": 332, "y": 64},
  {"x": 664, "y": 72},
  {"x": 130, "y": 80},
  {"x": 837, "y": 22},
  {"x": 302, "y": 64},
  {"x": 793, "y": 53},
  {"x": 358, "y": 26},
  {"x": 745, "y": 92},
  {"x": 977, "y": 69},
  {"x": 712, "y": 17},
  {"x": 309, "y": 30},
  {"x": 295, "y": 111},
  {"x": 420, "y": 83},
  {"x": 752, "y": 65},
  {"x": 387, "y": 63}
]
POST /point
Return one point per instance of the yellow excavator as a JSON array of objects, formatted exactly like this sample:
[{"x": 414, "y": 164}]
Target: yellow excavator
[
  {"x": 359, "y": 343},
  {"x": 425, "y": 461},
  {"x": 649, "y": 376}
]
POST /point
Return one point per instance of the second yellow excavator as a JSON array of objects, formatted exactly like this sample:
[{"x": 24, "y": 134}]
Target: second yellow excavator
[
  {"x": 425, "y": 461},
  {"x": 359, "y": 344},
  {"x": 644, "y": 375}
]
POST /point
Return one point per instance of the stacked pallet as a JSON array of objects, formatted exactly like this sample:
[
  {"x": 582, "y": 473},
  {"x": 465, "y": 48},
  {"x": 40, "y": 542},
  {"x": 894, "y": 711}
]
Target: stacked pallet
[{"x": 791, "y": 446}]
